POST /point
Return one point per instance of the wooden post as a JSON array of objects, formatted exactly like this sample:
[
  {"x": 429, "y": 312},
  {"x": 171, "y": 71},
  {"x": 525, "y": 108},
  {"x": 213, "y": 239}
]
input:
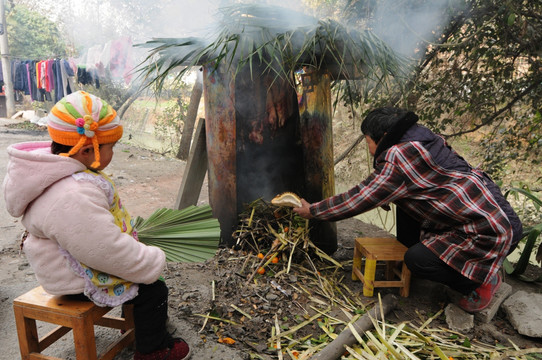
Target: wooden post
[
  {"x": 190, "y": 118},
  {"x": 195, "y": 170},
  {"x": 6, "y": 65}
]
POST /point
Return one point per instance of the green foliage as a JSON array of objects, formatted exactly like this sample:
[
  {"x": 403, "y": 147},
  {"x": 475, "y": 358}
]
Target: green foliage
[
  {"x": 33, "y": 36},
  {"x": 479, "y": 69},
  {"x": 170, "y": 122},
  {"x": 531, "y": 237}
]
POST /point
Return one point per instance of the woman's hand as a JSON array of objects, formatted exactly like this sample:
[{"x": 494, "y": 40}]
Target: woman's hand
[{"x": 303, "y": 211}]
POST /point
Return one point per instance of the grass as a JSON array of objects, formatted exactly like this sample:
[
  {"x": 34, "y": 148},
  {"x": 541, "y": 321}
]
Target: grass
[{"x": 26, "y": 125}]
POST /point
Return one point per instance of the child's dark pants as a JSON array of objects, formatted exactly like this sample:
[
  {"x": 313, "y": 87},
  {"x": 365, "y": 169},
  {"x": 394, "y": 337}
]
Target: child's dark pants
[{"x": 150, "y": 316}]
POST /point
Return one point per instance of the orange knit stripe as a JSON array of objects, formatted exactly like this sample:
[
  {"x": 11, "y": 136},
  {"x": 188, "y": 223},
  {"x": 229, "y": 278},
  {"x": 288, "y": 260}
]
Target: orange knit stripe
[
  {"x": 78, "y": 146},
  {"x": 112, "y": 133},
  {"x": 96, "y": 146},
  {"x": 72, "y": 138},
  {"x": 64, "y": 137},
  {"x": 88, "y": 102},
  {"x": 108, "y": 118},
  {"x": 63, "y": 116}
]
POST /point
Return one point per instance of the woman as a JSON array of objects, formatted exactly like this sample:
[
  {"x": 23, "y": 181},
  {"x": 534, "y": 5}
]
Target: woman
[{"x": 459, "y": 227}]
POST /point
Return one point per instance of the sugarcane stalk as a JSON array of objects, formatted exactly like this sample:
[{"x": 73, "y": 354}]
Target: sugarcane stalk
[
  {"x": 279, "y": 347},
  {"x": 241, "y": 311},
  {"x": 336, "y": 348},
  {"x": 298, "y": 326}
]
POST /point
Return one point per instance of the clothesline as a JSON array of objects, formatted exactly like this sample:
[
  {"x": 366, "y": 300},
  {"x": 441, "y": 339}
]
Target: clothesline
[
  {"x": 49, "y": 80},
  {"x": 54, "y": 78}
]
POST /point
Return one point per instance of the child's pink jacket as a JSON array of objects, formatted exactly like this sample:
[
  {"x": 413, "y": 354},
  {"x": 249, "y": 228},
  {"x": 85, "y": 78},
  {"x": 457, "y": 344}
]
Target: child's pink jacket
[{"x": 61, "y": 212}]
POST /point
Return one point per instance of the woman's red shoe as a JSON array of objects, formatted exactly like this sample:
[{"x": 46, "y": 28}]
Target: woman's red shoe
[{"x": 480, "y": 298}]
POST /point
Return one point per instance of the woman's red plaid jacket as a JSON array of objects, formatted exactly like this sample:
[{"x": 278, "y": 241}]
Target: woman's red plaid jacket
[{"x": 464, "y": 218}]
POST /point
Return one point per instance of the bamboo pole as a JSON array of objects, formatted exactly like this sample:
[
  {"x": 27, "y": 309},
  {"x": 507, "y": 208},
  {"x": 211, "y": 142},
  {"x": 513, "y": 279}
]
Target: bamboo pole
[{"x": 337, "y": 347}]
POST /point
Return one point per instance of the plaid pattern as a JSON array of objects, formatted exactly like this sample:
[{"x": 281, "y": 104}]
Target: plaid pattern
[{"x": 461, "y": 221}]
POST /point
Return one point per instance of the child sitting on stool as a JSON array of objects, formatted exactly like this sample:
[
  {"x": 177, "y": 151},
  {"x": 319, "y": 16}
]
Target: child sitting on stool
[{"x": 80, "y": 240}]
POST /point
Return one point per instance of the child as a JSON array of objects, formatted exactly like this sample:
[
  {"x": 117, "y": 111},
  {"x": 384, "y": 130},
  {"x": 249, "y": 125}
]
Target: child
[{"x": 80, "y": 241}]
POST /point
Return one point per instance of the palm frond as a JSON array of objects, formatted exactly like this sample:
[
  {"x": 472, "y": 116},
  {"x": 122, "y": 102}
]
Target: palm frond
[
  {"x": 266, "y": 35},
  {"x": 187, "y": 235}
]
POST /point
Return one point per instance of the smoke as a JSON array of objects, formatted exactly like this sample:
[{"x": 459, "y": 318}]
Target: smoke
[
  {"x": 93, "y": 23},
  {"x": 144, "y": 20},
  {"x": 206, "y": 18},
  {"x": 183, "y": 18},
  {"x": 406, "y": 25},
  {"x": 409, "y": 26}
]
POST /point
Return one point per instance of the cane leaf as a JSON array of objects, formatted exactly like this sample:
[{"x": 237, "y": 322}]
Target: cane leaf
[{"x": 531, "y": 233}]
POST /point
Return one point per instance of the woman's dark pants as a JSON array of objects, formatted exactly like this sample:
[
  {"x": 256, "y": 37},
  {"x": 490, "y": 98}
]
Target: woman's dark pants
[{"x": 423, "y": 263}]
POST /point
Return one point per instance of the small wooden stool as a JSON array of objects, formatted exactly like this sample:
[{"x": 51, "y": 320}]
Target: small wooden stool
[
  {"x": 79, "y": 316},
  {"x": 380, "y": 249}
]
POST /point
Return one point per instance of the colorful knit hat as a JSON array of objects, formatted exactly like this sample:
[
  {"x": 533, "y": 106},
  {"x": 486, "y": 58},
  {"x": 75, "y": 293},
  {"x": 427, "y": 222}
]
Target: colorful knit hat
[{"x": 80, "y": 119}]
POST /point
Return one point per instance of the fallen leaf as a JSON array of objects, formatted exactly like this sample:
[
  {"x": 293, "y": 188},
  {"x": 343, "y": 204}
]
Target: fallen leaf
[{"x": 226, "y": 340}]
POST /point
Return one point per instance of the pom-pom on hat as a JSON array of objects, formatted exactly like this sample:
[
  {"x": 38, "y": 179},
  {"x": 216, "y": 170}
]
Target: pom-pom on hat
[{"x": 81, "y": 119}]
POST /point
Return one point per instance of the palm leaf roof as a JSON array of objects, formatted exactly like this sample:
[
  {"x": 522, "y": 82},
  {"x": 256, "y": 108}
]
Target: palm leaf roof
[{"x": 280, "y": 40}]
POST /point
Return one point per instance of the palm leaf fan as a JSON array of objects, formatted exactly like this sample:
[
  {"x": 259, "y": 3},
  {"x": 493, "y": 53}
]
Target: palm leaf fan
[{"x": 187, "y": 235}]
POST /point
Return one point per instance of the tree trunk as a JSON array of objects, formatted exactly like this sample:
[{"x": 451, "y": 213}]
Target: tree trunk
[
  {"x": 335, "y": 349},
  {"x": 128, "y": 102},
  {"x": 191, "y": 115}
]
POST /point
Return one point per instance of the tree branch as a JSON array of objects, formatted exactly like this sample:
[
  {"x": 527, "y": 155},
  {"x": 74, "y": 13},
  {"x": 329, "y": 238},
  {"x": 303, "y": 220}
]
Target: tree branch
[
  {"x": 347, "y": 151},
  {"x": 535, "y": 84}
]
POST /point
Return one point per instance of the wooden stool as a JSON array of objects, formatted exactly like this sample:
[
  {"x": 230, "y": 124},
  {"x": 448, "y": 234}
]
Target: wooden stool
[
  {"x": 79, "y": 316},
  {"x": 380, "y": 249}
]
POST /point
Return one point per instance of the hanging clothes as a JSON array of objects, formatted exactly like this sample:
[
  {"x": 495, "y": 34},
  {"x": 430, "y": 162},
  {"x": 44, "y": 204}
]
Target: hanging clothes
[
  {"x": 33, "y": 85},
  {"x": 59, "y": 90},
  {"x": 86, "y": 77},
  {"x": 50, "y": 76},
  {"x": 40, "y": 79},
  {"x": 1, "y": 77},
  {"x": 121, "y": 65},
  {"x": 40, "y": 89},
  {"x": 28, "y": 87},
  {"x": 67, "y": 76},
  {"x": 19, "y": 76}
]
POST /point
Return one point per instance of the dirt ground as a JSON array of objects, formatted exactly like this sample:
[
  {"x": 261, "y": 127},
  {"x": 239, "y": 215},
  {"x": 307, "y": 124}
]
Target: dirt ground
[{"x": 148, "y": 181}]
